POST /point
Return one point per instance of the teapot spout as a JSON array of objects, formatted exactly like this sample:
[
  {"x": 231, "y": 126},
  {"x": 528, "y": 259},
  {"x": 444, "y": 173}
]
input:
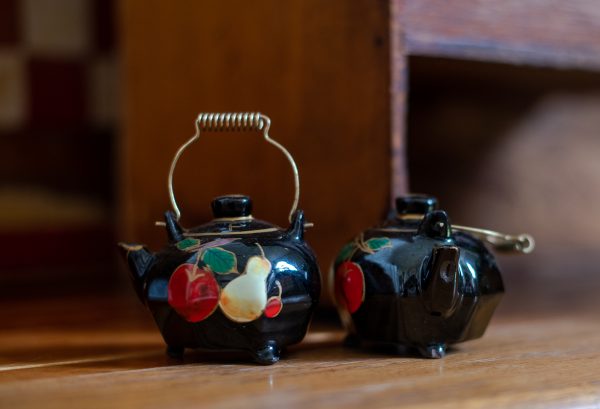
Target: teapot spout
[
  {"x": 440, "y": 289},
  {"x": 296, "y": 229},
  {"x": 139, "y": 260}
]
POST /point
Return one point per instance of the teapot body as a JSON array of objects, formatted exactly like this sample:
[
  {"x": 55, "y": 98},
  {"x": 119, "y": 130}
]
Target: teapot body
[
  {"x": 291, "y": 289},
  {"x": 415, "y": 283},
  {"x": 234, "y": 284}
]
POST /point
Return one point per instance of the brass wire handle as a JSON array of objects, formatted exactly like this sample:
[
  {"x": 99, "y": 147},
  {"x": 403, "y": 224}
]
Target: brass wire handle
[
  {"x": 523, "y": 243},
  {"x": 232, "y": 121}
]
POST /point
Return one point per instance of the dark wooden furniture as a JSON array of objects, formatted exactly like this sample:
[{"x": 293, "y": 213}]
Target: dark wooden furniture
[
  {"x": 372, "y": 98},
  {"x": 311, "y": 66}
]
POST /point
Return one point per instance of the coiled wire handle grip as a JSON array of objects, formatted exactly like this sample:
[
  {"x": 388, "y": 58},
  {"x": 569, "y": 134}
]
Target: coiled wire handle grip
[{"x": 233, "y": 121}]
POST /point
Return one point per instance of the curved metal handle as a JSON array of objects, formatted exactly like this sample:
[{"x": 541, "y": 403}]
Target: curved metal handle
[
  {"x": 233, "y": 121},
  {"x": 523, "y": 243}
]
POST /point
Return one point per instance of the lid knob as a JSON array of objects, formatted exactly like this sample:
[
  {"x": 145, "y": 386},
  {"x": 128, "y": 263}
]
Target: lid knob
[
  {"x": 232, "y": 206},
  {"x": 416, "y": 204}
]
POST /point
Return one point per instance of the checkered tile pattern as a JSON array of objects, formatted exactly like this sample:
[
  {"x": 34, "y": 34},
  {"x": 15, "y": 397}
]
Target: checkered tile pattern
[{"x": 57, "y": 65}]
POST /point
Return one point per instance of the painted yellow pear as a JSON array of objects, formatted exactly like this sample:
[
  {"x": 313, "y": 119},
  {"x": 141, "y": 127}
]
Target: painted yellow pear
[
  {"x": 258, "y": 266},
  {"x": 244, "y": 299}
]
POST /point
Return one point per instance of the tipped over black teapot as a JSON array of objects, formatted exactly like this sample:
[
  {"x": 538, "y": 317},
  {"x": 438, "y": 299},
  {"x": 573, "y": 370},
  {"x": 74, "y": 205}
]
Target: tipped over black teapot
[
  {"x": 418, "y": 281},
  {"x": 234, "y": 283}
]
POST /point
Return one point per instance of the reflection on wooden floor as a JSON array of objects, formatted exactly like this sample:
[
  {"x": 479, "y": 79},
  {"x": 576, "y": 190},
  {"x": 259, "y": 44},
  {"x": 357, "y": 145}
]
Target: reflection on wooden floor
[{"x": 106, "y": 353}]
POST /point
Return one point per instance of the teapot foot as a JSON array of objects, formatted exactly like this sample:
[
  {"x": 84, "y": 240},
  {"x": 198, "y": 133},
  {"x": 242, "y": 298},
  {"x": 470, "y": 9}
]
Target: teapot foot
[
  {"x": 268, "y": 355},
  {"x": 175, "y": 352},
  {"x": 433, "y": 351}
]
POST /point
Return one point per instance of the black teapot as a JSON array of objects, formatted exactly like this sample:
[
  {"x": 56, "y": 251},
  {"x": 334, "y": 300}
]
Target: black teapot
[
  {"x": 417, "y": 281},
  {"x": 234, "y": 283}
]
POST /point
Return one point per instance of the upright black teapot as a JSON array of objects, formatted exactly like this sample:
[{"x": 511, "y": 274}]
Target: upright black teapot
[
  {"x": 418, "y": 281},
  {"x": 234, "y": 283}
]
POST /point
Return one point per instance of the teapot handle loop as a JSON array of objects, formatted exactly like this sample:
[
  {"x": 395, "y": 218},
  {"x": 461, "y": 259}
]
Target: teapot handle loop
[
  {"x": 233, "y": 121},
  {"x": 523, "y": 243}
]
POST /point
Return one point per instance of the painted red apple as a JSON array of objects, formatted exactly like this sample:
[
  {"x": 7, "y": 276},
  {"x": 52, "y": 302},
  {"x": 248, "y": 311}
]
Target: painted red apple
[
  {"x": 274, "y": 304},
  {"x": 193, "y": 292},
  {"x": 273, "y": 307},
  {"x": 350, "y": 285}
]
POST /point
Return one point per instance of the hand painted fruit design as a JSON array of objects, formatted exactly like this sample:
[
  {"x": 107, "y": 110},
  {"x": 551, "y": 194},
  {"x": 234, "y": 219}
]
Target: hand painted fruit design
[
  {"x": 349, "y": 277},
  {"x": 350, "y": 285},
  {"x": 245, "y": 298},
  {"x": 274, "y": 304},
  {"x": 193, "y": 292}
]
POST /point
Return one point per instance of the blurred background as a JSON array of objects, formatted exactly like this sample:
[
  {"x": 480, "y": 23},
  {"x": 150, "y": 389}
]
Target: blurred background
[
  {"x": 481, "y": 105},
  {"x": 59, "y": 105}
]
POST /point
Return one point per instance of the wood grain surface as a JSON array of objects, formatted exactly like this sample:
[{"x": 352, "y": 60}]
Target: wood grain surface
[
  {"x": 105, "y": 353},
  {"x": 538, "y": 32}
]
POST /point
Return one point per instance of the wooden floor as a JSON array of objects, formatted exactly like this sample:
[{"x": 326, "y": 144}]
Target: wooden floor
[{"x": 114, "y": 357}]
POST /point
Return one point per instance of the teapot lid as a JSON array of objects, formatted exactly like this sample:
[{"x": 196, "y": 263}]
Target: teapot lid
[
  {"x": 416, "y": 204},
  {"x": 231, "y": 206},
  {"x": 233, "y": 216}
]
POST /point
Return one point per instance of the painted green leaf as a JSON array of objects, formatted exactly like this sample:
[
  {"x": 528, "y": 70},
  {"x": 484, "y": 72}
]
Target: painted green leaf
[
  {"x": 187, "y": 243},
  {"x": 219, "y": 260},
  {"x": 346, "y": 252},
  {"x": 377, "y": 243}
]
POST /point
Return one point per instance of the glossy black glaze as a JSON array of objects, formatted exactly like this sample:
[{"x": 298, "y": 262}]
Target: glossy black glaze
[
  {"x": 232, "y": 206},
  {"x": 294, "y": 276},
  {"x": 416, "y": 204},
  {"x": 425, "y": 286}
]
